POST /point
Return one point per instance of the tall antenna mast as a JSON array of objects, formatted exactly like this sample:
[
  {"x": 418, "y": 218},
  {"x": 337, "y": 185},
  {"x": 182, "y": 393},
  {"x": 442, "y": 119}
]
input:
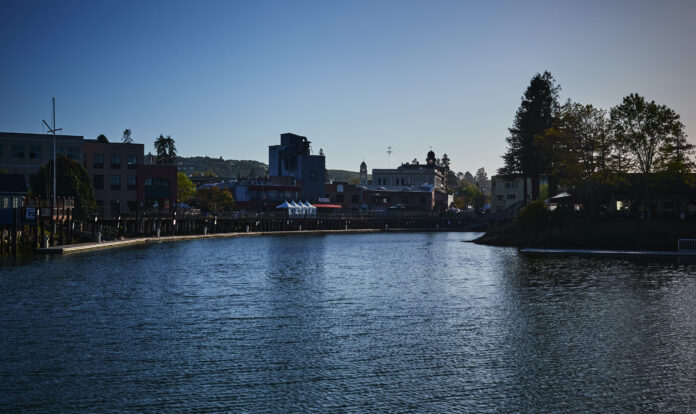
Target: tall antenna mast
[
  {"x": 53, "y": 131},
  {"x": 389, "y": 152}
]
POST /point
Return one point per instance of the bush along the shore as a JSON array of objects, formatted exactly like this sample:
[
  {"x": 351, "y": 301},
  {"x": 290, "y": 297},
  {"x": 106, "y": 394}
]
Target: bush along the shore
[{"x": 535, "y": 226}]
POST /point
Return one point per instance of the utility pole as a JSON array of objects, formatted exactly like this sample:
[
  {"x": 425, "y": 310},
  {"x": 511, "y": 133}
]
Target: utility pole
[{"x": 53, "y": 131}]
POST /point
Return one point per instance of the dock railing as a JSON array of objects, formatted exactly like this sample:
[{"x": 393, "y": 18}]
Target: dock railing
[{"x": 686, "y": 245}]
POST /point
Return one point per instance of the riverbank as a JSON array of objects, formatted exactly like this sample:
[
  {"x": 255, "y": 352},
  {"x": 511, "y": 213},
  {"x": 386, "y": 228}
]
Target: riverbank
[
  {"x": 598, "y": 234},
  {"x": 84, "y": 247}
]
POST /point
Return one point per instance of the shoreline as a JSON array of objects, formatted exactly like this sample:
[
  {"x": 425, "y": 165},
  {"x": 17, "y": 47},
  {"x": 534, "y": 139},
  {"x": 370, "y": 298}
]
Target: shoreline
[{"x": 92, "y": 246}]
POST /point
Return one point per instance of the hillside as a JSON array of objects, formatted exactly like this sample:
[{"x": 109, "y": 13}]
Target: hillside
[
  {"x": 221, "y": 167},
  {"x": 244, "y": 168}
]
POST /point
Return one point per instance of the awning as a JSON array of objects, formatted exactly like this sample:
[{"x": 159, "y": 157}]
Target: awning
[{"x": 328, "y": 206}]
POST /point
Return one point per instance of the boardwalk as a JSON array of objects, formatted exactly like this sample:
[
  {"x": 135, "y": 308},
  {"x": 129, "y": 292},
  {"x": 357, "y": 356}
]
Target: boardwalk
[{"x": 609, "y": 253}]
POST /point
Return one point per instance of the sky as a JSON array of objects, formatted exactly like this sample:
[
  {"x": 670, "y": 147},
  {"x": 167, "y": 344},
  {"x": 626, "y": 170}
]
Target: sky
[{"x": 227, "y": 78}]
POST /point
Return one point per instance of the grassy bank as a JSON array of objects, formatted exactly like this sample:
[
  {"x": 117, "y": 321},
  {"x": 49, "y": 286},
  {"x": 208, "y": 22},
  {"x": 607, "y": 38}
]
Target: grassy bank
[{"x": 603, "y": 233}]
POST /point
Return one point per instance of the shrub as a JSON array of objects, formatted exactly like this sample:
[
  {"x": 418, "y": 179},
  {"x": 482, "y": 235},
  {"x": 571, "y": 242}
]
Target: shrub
[{"x": 533, "y": 217}]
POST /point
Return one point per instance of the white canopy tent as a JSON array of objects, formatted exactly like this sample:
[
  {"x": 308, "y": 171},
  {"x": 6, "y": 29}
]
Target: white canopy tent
[{"x": 298, "y": 209}]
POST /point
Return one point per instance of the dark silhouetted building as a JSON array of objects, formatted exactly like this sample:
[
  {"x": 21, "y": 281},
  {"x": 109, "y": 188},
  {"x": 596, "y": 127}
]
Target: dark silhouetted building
[{"x": 292, "y": 158}]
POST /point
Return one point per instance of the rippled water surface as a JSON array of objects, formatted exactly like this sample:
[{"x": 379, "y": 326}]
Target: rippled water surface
[{"x": 411, "y": 322}]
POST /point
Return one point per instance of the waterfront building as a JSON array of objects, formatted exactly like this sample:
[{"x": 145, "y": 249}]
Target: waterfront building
[
  {"x": 264, "y": 194},
  {"x": 377, "y": 198},
  {"x": 24, "y": 154},
  {"x": 122, "y": 181},
  {"x": 412, "y": 175},
  {"x": 508, "y": 192},
  {"x": 157, "y": 187},
  {"x": 348, "y": 196},
  {"x": 113, "y": 168},
  {"x": 292, "y": 158}
]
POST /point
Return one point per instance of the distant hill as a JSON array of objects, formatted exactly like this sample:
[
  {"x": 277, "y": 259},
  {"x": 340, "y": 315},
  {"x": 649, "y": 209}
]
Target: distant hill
[
  {"x": 233, "y": 168},
  {"x": 343, "y": 175},
  {"x": 221, "y": 167}
]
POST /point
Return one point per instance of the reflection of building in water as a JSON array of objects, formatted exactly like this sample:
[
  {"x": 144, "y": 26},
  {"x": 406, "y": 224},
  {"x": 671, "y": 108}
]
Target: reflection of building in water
[{"x": 292, "y": 158}]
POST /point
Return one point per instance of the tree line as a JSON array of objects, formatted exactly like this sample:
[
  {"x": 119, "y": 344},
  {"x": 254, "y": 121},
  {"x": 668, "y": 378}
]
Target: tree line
[{"x": 581, "y": 147}]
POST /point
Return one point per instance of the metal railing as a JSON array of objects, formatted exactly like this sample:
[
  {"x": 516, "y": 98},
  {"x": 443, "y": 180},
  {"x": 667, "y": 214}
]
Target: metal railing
[{"x": 686, "y": 245}]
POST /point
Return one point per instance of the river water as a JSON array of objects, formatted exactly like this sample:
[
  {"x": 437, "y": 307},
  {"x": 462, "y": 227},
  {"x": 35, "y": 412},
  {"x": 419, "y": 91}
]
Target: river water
[{"x": 402, "y": 322}]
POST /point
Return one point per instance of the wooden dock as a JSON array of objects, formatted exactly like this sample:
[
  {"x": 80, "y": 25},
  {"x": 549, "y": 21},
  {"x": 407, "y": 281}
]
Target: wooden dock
[
  {"x": 84, "y": 247},
  {"x": 608, "y": 253}
]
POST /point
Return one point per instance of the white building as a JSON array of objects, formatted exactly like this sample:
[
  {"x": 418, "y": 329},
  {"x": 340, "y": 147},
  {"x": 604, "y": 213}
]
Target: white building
[{"x": 506, "y": 192}]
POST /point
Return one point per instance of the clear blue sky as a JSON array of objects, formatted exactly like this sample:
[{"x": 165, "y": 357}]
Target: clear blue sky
[{"x": 226, "y": 78}]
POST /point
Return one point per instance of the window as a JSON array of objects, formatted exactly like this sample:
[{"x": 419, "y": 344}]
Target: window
[
  {"x": 0, "y": 150},
  {"x": 115, "y": 160},
  {"x": 98, "y": 182},
  {"x": 18, "y": 151},
  {"x": 132, "y": 160},
  {"x": 510, "y": 196},
  {"x": 98, "y": 160},
  {"x": 73, "y": 153},
  {"x": 115, "y": 182},
  {"x": 131, "y": 182},
  {"x": 35, "y": 152}
]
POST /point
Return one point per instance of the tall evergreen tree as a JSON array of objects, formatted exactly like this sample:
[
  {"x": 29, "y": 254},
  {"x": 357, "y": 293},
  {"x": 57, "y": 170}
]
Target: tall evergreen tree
[
  {"x": 166, "y": 150},
  {"x": 171, "y": 150},
  {"x": 161, "y": 149},
  {"x": 534, "y": 116}
]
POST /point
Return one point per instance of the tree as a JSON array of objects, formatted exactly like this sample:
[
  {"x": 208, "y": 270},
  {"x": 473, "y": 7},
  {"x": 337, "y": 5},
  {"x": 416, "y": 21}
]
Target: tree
[
  {"x": 469, "y": 195},
  {"x": 166, "y": 150},
  {"x": 445, "y": 161},
  {"x": 185, "y": 189},
  {"x": 650, "y": 132},
  {"x": 102, "y": 139},
  {"x": 481, "y": 178},
  {"x": 214, "y": 199},
  {"x": 321, "y": 152},
  {"x": 469, "y": 179},
  {"x": 452, "y": 181},
  {"x": 127, "y": 136},
  {"x": 171, "y": 150},
  {"x": 534, "y": 116},
  {"x": 72, "y": 180}
]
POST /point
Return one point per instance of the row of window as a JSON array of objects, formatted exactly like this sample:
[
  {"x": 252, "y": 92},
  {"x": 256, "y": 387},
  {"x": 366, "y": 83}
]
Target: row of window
[
  {"x": 114, "y": 182},
  {"x": 36, "y": 151},
  {"x": 98, "y": 160},
  {"x": 509, "y": 197},
  {"x": 402, "y": 181}
]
